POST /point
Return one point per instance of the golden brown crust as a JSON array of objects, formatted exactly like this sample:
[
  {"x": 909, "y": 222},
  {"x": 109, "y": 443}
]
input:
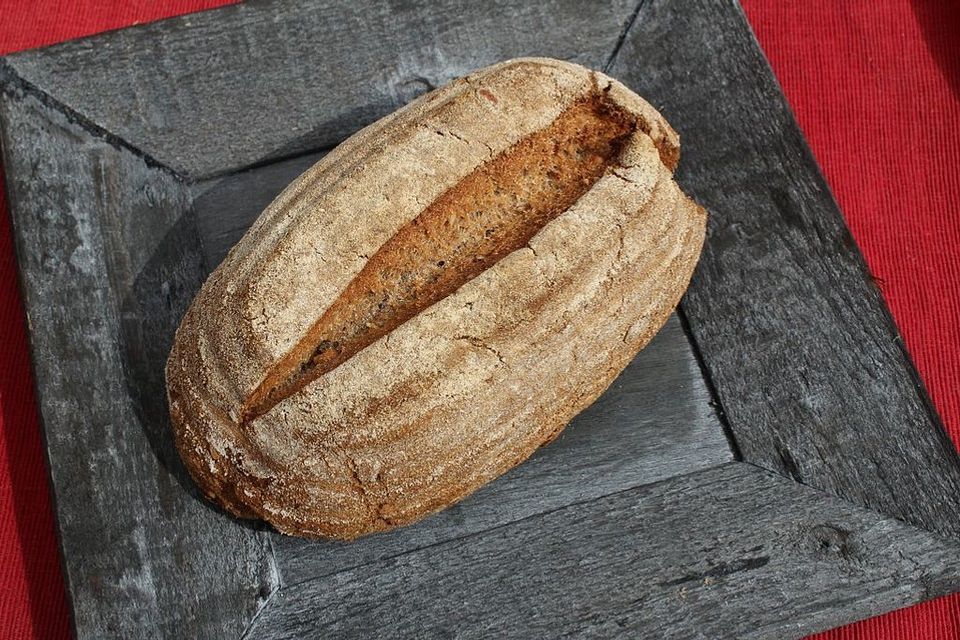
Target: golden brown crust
[
  {"x": 489, "y": 213},
  {"x": 472, "y": 384}
]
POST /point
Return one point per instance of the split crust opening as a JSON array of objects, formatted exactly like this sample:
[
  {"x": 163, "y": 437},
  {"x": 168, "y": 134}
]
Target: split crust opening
[{"x": 490, "y": 213}]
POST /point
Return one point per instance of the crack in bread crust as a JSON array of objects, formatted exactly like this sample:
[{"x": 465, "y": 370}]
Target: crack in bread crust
[{"x": 490, "y": 213}]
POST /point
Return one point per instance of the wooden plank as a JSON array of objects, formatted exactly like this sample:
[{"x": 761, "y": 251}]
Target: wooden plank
[
  {"x": 108, "y": 264},
  {"x": 153, "y": 264},
  {"x": 275, "y": 79},
  {"x": 732, "y": 552},
  {"x": 653, "y": 423},
  {"x": 811, "y": 373}
]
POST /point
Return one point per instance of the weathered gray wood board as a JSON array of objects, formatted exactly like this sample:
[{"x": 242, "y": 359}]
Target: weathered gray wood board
[
  {"x": 136, "y": 159},
  {"x": 610, "y": 567},
  {"x": 225, "y": 207},
  {"x": 139, "y": 547},
  {"x": 250, "y": 93},
  {"x": 809, "y": 368},
  {"x": 142, "y": 551}
]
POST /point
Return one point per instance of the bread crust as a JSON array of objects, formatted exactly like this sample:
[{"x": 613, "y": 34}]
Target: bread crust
[{"x": 468, "y": 387}]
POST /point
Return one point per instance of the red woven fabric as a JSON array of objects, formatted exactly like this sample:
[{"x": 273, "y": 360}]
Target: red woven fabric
[{"x": 876, "y": 89}]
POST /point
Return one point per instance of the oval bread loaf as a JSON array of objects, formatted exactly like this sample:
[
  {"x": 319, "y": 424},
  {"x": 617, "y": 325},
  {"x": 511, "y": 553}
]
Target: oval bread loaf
[{"x": 433, "y": 300}]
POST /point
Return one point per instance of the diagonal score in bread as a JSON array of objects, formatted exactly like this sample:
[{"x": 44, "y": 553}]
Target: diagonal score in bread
[{"x": 490, "y": 213}]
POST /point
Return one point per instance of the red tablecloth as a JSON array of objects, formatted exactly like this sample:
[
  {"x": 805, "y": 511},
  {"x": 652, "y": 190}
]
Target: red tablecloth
[{"x": 875, "y": 86}]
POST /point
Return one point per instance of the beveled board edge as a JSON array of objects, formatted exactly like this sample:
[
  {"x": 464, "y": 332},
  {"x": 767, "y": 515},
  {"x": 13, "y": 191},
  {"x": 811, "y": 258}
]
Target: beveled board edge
[
  {"x": 376, "y": 56},
  {"x": 734, "y": 551},
  {"x": 118, "y": 483}
]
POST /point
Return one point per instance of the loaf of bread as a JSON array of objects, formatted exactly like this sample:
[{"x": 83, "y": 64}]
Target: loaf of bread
[{"x": 433, "y": 301}]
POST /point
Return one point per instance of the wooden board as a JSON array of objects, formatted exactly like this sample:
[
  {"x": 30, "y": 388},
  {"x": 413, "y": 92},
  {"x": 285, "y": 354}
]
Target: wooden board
[
  {"x": 824, "y": 490},
  {"x": 580, "y": 579},
  {"x": 809, "y": 368},
  {"x": 215, "y": 92}
]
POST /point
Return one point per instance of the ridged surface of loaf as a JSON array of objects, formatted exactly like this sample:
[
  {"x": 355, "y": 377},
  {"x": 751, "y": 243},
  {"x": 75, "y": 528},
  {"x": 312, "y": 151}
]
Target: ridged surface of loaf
[{"x": 402, "y": 424}]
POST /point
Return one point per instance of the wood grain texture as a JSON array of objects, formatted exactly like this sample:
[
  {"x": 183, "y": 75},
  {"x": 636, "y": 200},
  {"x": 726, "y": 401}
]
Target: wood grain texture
[
  {"x": 810, "y": 370},
  {"x": 273, "y": 79},
  {"x": 108, "y": 263},
  {"x": 760, "y": 557}
]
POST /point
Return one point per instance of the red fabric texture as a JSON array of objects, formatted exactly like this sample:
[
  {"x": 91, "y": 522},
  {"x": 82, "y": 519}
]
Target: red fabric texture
[{"x": 876, "y": 89}]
